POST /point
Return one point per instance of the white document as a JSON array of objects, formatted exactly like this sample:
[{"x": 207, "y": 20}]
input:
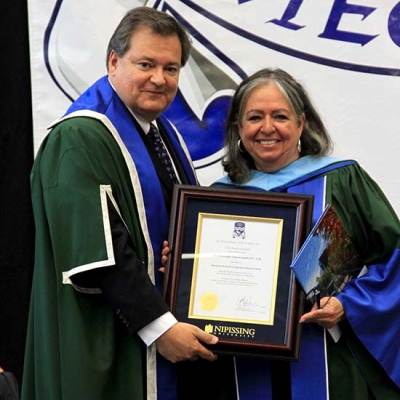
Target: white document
[{"x": 236, "y": 265}]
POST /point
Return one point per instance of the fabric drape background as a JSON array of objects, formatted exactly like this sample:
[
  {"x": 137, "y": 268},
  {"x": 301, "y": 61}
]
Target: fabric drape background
[{"x": 16, "y": 157}]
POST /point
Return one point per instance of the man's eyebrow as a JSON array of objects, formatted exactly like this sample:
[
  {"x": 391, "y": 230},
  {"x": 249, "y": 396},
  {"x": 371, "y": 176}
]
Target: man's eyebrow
[
  {"x": 144, "y": 58},
  {"x": 154, "y": 61}
]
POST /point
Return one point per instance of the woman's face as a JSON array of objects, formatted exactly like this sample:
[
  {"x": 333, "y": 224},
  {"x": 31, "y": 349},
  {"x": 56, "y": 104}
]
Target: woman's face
[{"x": 269, "y": 129}]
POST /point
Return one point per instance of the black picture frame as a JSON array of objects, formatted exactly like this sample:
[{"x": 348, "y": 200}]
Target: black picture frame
[{"x": 279, "y": 339}]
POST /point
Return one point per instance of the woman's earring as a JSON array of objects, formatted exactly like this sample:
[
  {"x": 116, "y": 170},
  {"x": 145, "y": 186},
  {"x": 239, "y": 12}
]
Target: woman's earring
[
  {"x": 299, "y": 146},
  {"x": 240, "y": 146}
]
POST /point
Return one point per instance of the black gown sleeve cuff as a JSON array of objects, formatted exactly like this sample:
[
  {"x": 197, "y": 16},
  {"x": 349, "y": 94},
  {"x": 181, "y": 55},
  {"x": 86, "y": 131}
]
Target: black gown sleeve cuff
[{"x": 126, "y": 285}]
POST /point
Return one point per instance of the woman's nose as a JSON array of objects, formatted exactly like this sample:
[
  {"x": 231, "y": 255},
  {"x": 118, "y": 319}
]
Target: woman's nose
[{"x": 268, "y": 124}]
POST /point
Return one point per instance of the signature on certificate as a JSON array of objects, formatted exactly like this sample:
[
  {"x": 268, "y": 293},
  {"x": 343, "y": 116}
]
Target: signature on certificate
[{"x": 247, "y": 303}]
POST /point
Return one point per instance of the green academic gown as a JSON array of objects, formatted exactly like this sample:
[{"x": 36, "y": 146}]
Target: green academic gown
[
  {"x": 365, "y": 362},
  {"x": 76, "y": 346},
  {"x": 94, "y": 179}
]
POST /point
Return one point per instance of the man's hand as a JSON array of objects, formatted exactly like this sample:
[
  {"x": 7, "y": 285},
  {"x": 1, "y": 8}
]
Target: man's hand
[
  {"x": 164, "y": 256},
  {"x": 330, "y": 313},
  {"x": 183, "y": 342}
]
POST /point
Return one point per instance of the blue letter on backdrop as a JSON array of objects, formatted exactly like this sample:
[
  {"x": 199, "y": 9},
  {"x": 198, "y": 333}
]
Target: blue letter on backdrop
[{"x": 339, "y": 8}]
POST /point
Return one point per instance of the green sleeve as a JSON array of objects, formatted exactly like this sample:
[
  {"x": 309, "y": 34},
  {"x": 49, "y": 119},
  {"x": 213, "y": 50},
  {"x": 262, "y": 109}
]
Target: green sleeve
[
  {"x": 76, "y": 174},
  {"x": 365, "y": 212}
]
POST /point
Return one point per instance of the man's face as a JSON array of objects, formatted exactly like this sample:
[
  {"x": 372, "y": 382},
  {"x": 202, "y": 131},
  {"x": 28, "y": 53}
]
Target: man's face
[{"x": 146, "y": 77}]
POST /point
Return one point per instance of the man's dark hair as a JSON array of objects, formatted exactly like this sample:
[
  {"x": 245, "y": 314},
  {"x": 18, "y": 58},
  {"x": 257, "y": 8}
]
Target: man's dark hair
[{"x": 158, "y": 21}]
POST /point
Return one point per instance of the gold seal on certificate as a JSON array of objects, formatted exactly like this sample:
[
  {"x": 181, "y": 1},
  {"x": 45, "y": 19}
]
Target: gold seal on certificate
[{"x": 209, "y": 301}]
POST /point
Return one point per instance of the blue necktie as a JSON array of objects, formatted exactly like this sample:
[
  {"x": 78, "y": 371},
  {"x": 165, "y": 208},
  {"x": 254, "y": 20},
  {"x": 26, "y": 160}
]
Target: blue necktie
[{"x": 154, "y": 136}]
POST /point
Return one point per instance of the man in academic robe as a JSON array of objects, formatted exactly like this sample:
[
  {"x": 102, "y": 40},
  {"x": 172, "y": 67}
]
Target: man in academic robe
[{"x": 99, "y": 327}]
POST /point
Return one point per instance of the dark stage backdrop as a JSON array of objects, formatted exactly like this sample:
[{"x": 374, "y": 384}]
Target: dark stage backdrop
[{"x": 16, "y": 157}]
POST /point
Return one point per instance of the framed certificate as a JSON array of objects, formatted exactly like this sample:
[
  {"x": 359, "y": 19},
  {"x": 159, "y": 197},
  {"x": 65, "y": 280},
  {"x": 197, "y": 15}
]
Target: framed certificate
[{"x": 229, "y": 269}]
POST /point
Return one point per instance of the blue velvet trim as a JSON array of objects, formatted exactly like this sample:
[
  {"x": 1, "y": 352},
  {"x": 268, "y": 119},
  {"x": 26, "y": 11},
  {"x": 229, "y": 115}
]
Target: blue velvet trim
[{"x": 309, "y": 374}]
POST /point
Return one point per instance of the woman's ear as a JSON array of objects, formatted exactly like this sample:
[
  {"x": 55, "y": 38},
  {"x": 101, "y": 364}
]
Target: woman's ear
[{"x": 302, "y": 120}]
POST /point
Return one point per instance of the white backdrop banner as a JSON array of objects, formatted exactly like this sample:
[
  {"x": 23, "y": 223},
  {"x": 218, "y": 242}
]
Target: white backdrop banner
[{"x": 346, "y": 53}]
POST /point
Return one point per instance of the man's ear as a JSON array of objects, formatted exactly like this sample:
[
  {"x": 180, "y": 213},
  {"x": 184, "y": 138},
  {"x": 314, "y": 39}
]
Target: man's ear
[{"x": 113, "y": 60}]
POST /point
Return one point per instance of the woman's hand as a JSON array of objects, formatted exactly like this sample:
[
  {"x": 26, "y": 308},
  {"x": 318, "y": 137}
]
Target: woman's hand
[{"x": 330, "y": 313}]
